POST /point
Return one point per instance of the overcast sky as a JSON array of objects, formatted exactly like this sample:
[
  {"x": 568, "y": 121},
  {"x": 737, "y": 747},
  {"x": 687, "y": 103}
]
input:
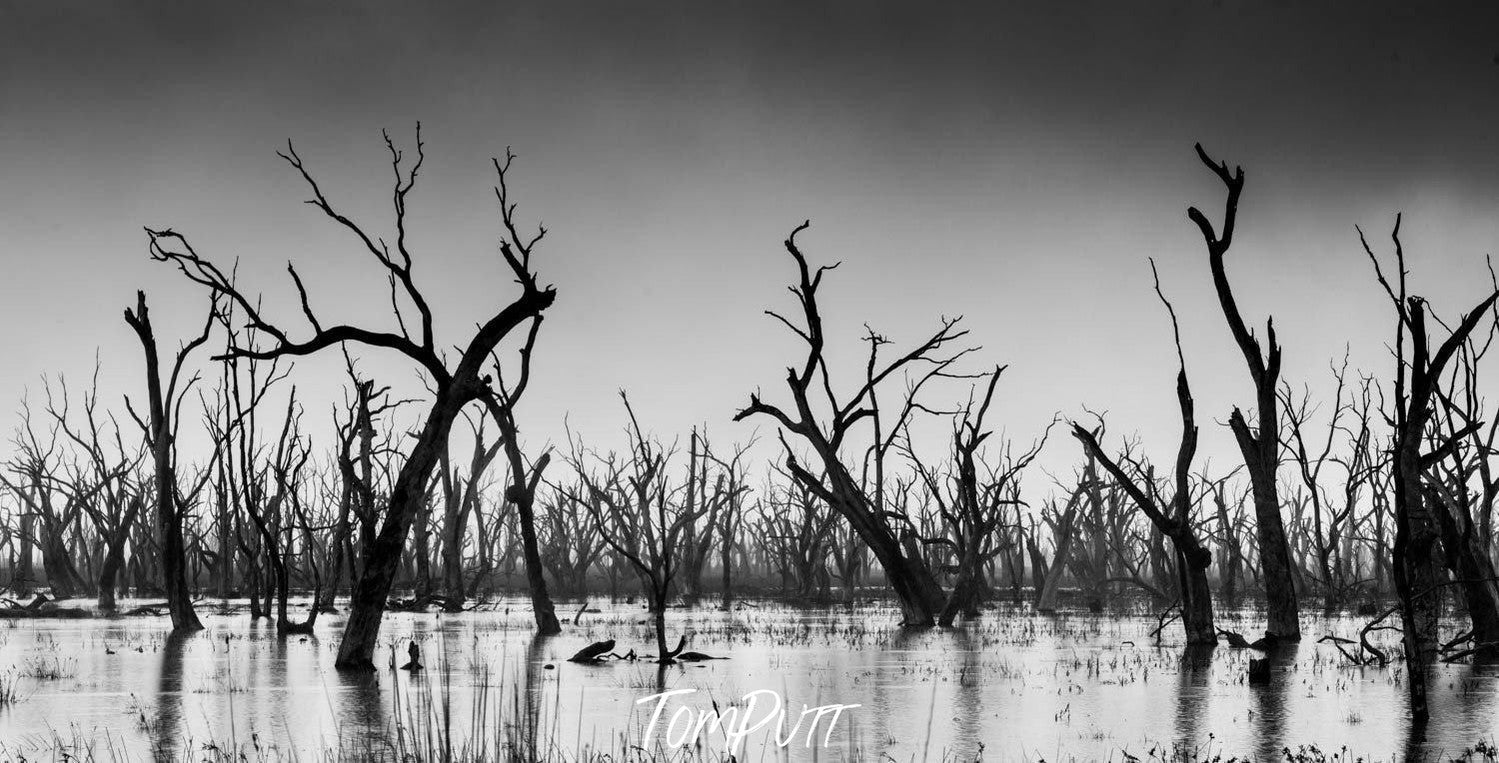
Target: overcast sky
[{"x": 1012, "y": 163}]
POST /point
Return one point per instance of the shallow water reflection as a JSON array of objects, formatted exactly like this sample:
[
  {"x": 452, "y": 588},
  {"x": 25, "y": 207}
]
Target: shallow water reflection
[{"x": 1010, "y": 686}]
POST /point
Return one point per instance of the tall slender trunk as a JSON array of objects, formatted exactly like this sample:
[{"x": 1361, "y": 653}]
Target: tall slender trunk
[
  {"x": 1260, "y": 448},
  {"x": 160, "y": 434}
]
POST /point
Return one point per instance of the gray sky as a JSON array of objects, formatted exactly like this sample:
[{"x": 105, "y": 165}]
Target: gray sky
[{"x": 1013, "y": 163}]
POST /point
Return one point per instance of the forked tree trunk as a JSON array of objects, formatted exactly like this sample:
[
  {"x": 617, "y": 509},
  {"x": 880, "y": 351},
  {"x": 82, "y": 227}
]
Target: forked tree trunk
[
  {"x": 160, "y": 434},
  {"x": 1046, "y": 598},
  {"x": 1418, "y": 568},
  {"x": 109, "y": 572},
  {"x": 1260, "y": 448},
  {"x": 966, "y": 592},
  {"x": 114, "y": 557}
]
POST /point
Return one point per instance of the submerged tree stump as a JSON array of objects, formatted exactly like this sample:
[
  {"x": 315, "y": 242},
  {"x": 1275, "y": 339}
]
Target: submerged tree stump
[
  {"x": 415, "y": 653},
  {"x": 1259, "y": 671}
]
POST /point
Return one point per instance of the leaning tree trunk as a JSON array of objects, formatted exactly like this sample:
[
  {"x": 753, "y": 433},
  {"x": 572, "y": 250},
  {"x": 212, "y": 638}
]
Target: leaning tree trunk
[
  {"x": 541, "y": 601},
  {"x": 382, "y": 558},
  {"x": 1046, "y": 598}
]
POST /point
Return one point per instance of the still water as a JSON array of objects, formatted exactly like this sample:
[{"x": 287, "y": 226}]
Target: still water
[{"x": 1011, "y": 686}]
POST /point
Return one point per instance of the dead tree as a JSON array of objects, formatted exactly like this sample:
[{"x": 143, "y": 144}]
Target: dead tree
[
  {"x": 1462, "y": 488},
  {"x": 850, "y": 560},
  {"x": 456, "y": 385},
  {"x": 716, "y": 496},
  {"x": 798, "y": 532},
  {"x": 52, "y": 501},
  {"x": 976, "y": 511},
  {"x": 1228, "y": 533},
  {"x": 279, "y": 517},
  {"x": 461, "y": 499},
  {"x": 1064, "y": 525},
  {"x": 569, "y": 545},
  {"x": 914, "y": 582},
  {"x": 1330, "y": 516},
  {"x": 116, "y": 503},
  {"x": 642, "y": 516},
  {"x": 1260, "y": 445},
  {"x": 164, "y": 403},
  {"x": 1417, "y": 552},
  {"x": 356, "y": 460},
  {"x": 1172, "y": 517},
  {"x": 501, "y": 399},
  {"x": 731, "y": 521}
]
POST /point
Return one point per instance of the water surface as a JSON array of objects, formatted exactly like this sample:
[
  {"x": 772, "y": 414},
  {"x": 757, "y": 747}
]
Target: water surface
[{"x": 1010, "y": 686}]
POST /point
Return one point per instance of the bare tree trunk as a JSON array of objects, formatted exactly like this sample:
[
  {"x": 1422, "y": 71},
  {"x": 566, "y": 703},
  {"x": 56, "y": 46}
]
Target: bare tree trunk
[
  {"x": 1418, "y": 568},
  {"x": 160, "y": 434},
  {"x": 1260, "y": 447},
  {"x": 382, "y": 560},
  {"x": 1174, "y": 520},
  {"x": 1046, "y": 598},
  {"x": 114, "y": 556},
  {"x": 455, "y": 386}
]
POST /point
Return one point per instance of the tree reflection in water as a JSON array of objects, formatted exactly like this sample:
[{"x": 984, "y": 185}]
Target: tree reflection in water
[
  {"x": 1271, "y": 701},
  {"x": 1194, "y": 679}
]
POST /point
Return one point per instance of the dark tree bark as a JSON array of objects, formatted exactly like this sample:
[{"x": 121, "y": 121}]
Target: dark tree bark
[
  {"x": 642, "y": 517},
  {"x": 1173, "y": 519},
  {"x": 1063, "y": 523},
  {"x": 460, "y": 499},
  {"x": 976, "y": 512},
  {"x": 453, "y": 387},
  {"x": 1461, "y": 447},
  {"x": 114, "y": 556},
  {"x": 161, "y": 435},
  {"x": 1261, "y": 445},
  {"x": 915, "y": 585},
  {"x": 521, "y": 492},
  {"x": 1418, "y": 557}
]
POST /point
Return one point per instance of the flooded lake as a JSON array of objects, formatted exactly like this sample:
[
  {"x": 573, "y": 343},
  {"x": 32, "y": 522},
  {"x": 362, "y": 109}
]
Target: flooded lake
[{"x": 1011, "y": 686}]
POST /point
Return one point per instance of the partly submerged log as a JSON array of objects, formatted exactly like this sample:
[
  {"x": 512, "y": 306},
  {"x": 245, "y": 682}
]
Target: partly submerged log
[
  {"x": 697, "y": 657},
  {"x": 1265, "y": 643},
  {"x": 64, "y": 613},
  {"x": 41, "y": 607},
  {"x": 594, "y": 652},
  {"x": 1235, "y": 641},
  {"x": 424, "y": 603}
]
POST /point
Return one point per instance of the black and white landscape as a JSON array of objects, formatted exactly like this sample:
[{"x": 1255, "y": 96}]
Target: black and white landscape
[{"x": 669, "y": 381}]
